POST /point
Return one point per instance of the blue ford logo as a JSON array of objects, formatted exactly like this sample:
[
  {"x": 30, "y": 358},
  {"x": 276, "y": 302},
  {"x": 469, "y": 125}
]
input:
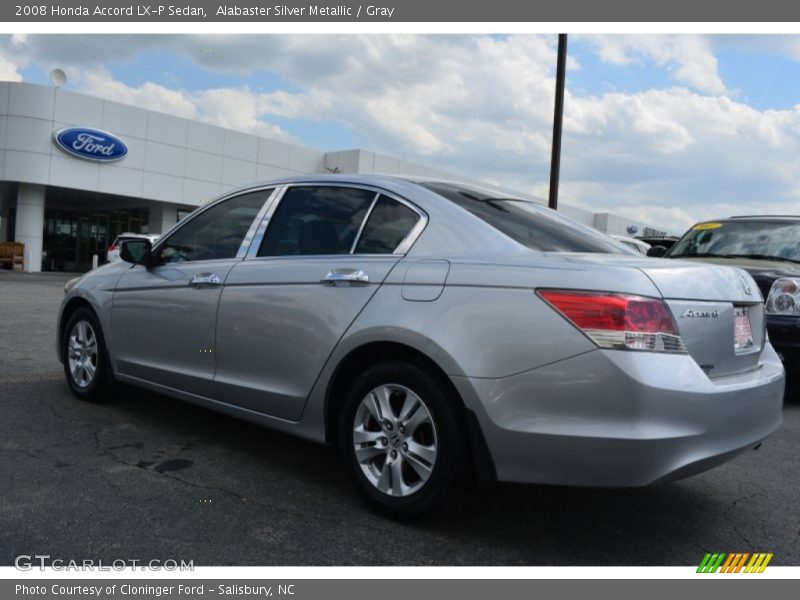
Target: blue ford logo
[{"x": 91, "y": 144}]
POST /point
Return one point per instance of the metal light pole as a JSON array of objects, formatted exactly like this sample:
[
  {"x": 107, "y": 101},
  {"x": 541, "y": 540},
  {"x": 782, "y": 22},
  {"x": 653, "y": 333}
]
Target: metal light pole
[{"x": 558, "y": 118}]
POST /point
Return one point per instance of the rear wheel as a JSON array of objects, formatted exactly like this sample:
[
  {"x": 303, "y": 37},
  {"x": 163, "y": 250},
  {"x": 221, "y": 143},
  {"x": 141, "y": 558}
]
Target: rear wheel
[
  {"x": 86, "y": 364},
  {"x": 403, "y": 437}
]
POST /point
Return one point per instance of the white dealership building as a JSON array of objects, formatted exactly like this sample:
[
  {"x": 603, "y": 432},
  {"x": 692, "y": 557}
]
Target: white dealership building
[{"x": 66, "y": 208}]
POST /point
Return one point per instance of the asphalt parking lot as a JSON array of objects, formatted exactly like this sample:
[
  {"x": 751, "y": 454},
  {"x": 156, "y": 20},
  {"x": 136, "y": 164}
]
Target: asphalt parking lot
[{"x": 146, "y": 477}]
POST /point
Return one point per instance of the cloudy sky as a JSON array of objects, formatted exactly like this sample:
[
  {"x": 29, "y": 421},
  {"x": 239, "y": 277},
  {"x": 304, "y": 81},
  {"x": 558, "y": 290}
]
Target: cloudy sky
[{"x": 665, "y": 129}]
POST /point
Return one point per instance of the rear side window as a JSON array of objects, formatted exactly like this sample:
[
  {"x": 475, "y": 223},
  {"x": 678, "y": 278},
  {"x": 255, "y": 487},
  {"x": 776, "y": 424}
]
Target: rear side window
[
  {"x": 388, "y": 225},
  {"x": 316, "y": 220},
  {"x": 528, "y": 223}
]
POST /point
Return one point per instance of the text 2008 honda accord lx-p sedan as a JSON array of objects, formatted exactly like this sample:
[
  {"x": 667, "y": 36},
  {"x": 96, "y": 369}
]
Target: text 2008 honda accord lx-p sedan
[{"x": 436, "y": 333}]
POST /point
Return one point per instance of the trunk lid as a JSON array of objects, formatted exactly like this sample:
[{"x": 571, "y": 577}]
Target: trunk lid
[
  {"x": 711, "y": 304},
  {"x": 763, "y": 271}
]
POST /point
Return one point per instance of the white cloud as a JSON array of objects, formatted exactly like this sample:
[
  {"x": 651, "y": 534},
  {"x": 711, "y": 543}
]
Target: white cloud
[
  {"x": 785, "y": 46},
  {"x": 238, "y": 108},
  {"x": 8, "y": 69},
  {"x": 233, "y": 108},
  {"x": 688, "y": 58},
  {"x": 678, "y": 220},
  {"x": 430, "y": 95},
  {"x": 482, "y": 106},
  {"x": 148, "y": 95}
]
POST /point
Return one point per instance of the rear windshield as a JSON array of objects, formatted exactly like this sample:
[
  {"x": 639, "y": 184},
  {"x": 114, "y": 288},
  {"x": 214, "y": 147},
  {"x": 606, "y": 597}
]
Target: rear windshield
[
  {"x": 528, "y": 223},
  {"x": 741, "y": 239}
]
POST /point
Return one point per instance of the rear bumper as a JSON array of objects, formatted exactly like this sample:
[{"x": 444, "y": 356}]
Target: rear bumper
[{"x": 622, "y": 419}]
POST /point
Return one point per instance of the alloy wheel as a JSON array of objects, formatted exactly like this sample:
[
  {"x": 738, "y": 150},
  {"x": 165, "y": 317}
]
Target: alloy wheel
[
  {"x": 82, "y": 354},
  {"x": 394, "y": 437}
]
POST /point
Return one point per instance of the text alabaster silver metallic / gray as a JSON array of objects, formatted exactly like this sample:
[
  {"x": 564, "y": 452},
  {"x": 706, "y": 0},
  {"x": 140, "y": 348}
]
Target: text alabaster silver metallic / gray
[{"x": 550, "y": 405}]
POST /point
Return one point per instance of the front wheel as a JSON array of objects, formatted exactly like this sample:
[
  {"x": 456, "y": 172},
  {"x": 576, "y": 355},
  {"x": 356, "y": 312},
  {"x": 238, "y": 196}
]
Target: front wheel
[
  {"x": 403, "y": 437},
  {"x": 86, "y": 364}
]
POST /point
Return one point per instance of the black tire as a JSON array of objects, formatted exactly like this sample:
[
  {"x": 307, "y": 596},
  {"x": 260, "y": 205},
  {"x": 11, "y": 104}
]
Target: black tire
[
  {"x": 449, "y": 470},
  {"x": 791, "y": 392},
  {"x": 99, "y": 388}
]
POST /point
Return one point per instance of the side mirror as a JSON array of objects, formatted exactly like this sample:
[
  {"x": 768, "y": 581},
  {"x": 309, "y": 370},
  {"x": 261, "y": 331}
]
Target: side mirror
[
  {"x": 135, "y": 251},
  {"x": 656, "y": 251}
]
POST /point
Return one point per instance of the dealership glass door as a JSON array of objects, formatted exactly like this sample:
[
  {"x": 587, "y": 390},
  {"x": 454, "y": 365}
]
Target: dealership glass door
[
  {"x": 73, "y": 237},
  {"x": 92, "y": 239},
  {"x": 60, "y": 247}
]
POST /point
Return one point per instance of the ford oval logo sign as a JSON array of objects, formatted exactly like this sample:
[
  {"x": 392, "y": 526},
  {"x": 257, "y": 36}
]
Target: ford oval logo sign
[{"x": 90, "y": 144}]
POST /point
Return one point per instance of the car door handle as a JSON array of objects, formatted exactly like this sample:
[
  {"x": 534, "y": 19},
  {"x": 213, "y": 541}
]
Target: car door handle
[
  {"x": 204, "y": 280},
  {"x": 340, "y": 277}
]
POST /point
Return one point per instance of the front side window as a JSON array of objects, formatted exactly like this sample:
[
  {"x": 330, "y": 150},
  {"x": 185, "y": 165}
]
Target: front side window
[
  {"x": 528, "y": 223},
  {"x": 316, "y": 220},
  {"x": 215, "y": 233},
  {"x": 388, "y": 225}
]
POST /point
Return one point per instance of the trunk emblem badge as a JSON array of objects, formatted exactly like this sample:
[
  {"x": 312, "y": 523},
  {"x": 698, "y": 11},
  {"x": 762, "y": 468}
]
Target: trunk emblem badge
[
  {"x": 700, "y": 314},
  {"x": 745, "y": 285}
]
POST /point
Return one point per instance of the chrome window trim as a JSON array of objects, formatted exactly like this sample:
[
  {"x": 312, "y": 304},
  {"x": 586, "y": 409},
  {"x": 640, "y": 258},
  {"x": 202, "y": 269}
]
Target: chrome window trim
[
  {"x": 196, "y": 213},
  {"x": 255, "y": 226},
  {"x": 401, "y": 249},
  {"x": 258, "y": 238},
  {"x": 415, "y": 232},
  {"x": 364, "y": 223},
  {"x": 321, "y": 256}
]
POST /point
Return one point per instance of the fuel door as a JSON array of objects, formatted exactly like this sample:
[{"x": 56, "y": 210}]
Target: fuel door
[{"x": 424, "y": 280}]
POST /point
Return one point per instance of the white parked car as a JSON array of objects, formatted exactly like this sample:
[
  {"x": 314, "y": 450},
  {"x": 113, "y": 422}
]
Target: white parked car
[
  {"x": 113, "y": 249},
  {"x": 638, "y": 245}
]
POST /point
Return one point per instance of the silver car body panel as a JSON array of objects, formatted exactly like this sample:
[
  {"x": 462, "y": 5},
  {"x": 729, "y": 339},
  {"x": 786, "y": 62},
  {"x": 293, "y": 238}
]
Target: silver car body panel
[
  {"x": 552, "y": 407},
  {"x": 649, "y": 417},
  {"x": 281, "y": 307},
  {"x": 424, "y": 280},
  {"x": 163, "y": 327}
]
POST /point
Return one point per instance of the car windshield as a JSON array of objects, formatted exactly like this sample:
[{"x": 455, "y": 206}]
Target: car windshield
[
  {"x": 528, "y": 223},
  {"x": 774, "y": 240}
]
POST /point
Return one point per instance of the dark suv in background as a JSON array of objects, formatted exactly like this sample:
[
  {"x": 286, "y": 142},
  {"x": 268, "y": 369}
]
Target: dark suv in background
[{"x": 768, "y": 247}]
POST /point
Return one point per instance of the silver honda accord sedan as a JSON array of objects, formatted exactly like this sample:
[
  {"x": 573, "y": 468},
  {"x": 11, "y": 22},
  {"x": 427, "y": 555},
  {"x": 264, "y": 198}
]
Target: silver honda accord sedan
[{"x": 437, "y": 334}]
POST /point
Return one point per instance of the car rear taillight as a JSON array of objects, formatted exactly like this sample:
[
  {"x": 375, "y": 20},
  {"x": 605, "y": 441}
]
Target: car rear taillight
[
  {"x": 111, "y": 248},
  {"x": 619, "y": 321}
]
